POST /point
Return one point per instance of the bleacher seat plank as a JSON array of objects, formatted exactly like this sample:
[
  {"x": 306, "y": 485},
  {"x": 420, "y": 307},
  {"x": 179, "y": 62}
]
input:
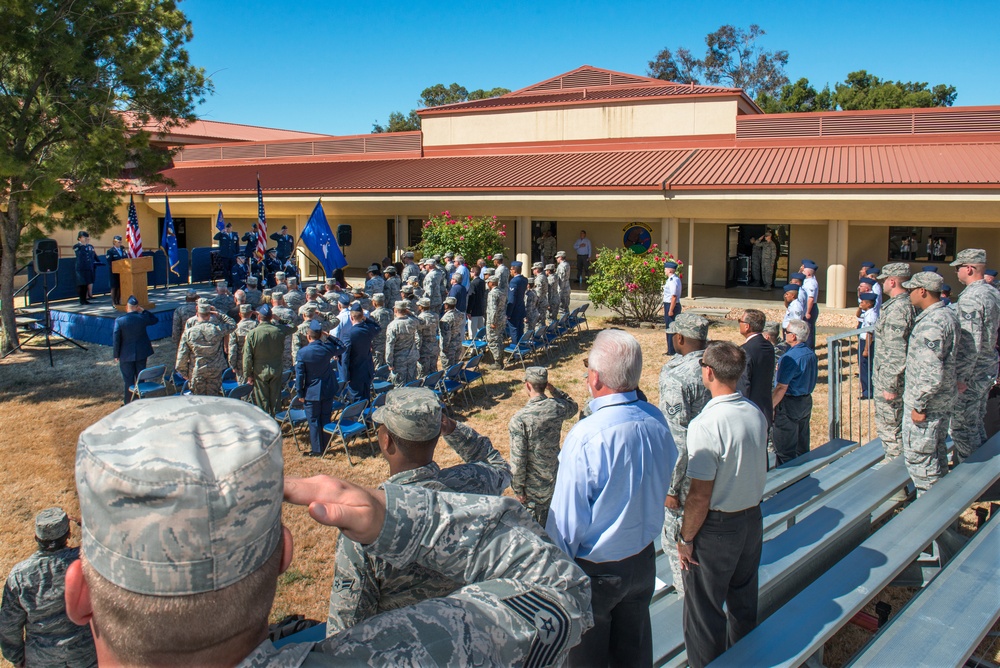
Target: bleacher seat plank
[
  {"x": 823, "y": 607},
  {"x": 943, "y": 624},
  {"x": 790, "y": 473}
]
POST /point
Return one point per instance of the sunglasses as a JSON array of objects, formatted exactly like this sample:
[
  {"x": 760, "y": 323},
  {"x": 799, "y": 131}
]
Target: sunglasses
[{"x": 706, "y": 366}]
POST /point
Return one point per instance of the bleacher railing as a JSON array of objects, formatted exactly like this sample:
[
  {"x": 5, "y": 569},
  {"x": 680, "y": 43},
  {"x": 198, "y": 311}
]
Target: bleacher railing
[{"x": 850, "y": 417}]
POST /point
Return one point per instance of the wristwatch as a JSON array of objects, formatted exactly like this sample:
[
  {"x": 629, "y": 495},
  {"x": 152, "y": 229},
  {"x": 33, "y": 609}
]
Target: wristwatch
[{"x": 680, "y": 539}]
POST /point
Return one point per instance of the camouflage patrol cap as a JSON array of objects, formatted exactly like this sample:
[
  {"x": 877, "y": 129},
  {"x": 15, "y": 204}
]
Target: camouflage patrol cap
[
  {"x": 278, "y": 275},
  {"x": 561, "y": 254},
  {"x": 251, "y": 280},
  {"x": 378, "y": 298},
  {"x": 493, "y": 278},
  {"x": 204, "y": 306},
  {"x": 550, "y": 267},
  {"x": 690, "y": 326},
  {"x": 407, "y": 289},
  {"x": 309, "y": 308},
  {"x": 180, "y": 495},
  {"x": 401, "y": 305},
  {"x": 191, "y": 293},
  {"x": 498, "y": 256},
  {"x": 450, "y": 301},
  {"x": 895, "y": 269},
  {"x": 51, "y": 524},
  {"x": 772, "y": 327},
  {"x": 408, "y": 255},
  {"x": 969, "y": 256},
  {"x": 488, "y": 272},
  {"x": 536, "y": 375},
  {"x": 245, "y": 309},
  {"x": 413, "y": 413},
  {"x": 292, "y": 280},
  {"x": 331, "y": 282},
  {"x": 538, "y": 265},
  {"x": 928, "y": 280},
  {"x": 312, "y": 291},
  {"x": 424, "y": 302}
]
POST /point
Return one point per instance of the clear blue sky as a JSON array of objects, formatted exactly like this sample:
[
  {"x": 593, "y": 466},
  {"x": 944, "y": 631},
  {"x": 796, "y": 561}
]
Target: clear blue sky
[{"x": 336, "y": 67}]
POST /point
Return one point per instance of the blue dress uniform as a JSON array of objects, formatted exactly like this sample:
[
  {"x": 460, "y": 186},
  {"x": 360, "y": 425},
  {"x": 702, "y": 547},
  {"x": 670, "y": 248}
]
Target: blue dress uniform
[
  {"x": 516, "y": 290},
  {"x": 285, "y": 244},
  {"x": 113, "y": 254},
  {"x": 251, "y": 243},
  {"x": 229, "y": 248},
  {"x": 316, "y": 384},
  {"x": 671, "y": 288},
  {"x": 238, "y": 279},
  {"x": 271, "y": 267},
  {"x": 132, "y": 346},
  {"x": 867, "y": 342},
  {"x": 86, "y": 266},
  {"x": 360, "y": 367}
]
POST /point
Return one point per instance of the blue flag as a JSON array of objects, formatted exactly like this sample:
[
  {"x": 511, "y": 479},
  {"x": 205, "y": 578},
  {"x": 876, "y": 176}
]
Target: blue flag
[
  {"x": 169, "y": 241},
  {"x": 320, "y": 241},
  {"x": 219, "y": 222}
]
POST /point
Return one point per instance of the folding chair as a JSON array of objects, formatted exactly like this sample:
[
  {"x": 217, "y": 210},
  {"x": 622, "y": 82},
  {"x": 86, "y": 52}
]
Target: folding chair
[
  {"x": 432, "y": 380},
  {"x": 370, "y": 411},
  {"x": 229, "y": 381},
  {"x": 241, "y": 392},
  {"x": 451, "y": 383},
  {"x": 380, "y": 382},
  {"x": 286, "y": 386},
  {"x": 149, "y": 383},
  {"x": 581, "y": 315},
  {"x": 295, "y": 417},
  {"x": 419, "y": 382},
  {"x": 519, "y": 349},
  {"x": 348, "y": 426},
  {"x": 476, "y": 344},
  {"x": 470, "y": 374},
  {"x": 541, "y": 342}
]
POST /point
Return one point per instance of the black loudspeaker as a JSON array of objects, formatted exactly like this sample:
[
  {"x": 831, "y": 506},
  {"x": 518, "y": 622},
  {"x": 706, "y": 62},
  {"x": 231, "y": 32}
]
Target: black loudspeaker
[
  {"x": 343, "y": 235},
  {"x": 45, "y": 256}
]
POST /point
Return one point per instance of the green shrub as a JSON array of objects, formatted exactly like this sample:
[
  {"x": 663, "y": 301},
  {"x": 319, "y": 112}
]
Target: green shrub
[
  {"x": 628, "y": 284},
  {"x": 473, "y": 237}
]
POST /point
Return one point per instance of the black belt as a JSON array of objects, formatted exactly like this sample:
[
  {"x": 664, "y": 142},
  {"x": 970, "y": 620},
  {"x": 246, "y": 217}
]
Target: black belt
[{"x": 721, "y": 514}]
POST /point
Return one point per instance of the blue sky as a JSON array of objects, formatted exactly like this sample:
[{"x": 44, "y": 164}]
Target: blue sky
[{"x": 336, "y": 67}]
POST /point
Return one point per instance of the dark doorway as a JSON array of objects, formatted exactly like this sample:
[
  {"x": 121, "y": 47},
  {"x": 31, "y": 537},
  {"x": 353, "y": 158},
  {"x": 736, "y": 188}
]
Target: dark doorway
[
  {"x": 740, "y": 241},
  {"x": 538, "y": 229},
  {"x": 180, "y": 229},
  {"x": 390, "y": 238}
]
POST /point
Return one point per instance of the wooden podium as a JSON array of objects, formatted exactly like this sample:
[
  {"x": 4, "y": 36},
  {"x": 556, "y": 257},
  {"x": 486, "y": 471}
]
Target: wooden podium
[{"x": 132, "y": 274}]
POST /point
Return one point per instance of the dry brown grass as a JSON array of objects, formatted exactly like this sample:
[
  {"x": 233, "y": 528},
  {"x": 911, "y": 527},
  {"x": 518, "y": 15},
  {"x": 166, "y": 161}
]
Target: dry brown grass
[{"x": 44, "y": 410}]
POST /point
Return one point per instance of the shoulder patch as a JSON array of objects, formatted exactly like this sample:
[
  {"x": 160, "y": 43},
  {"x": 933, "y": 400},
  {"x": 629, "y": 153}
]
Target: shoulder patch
[
  {"x": 343, "y": 584},
  {"x": 933, "y": 344},
  {"x": 674, "y": 409},
  {"x": 551, "y": 623}
]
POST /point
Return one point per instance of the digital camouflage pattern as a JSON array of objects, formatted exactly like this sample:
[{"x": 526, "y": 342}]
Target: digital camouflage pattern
[
  {"x": 978, "y": 310},
  {"x": 554, "y": 298},
  {"x": 542, "y": 290},
  {"x": 534, "y": 449},
  {"x": 530, "y": 308},
  {"x": 237, "y": 341},
  {"x": 200, "y": 355},
  {"x": 930, "y": 388},
  {"x": 364, "y": 585},
  {"x": 391, "y": 288},
  {"x": 452, "y": 328},
  {"x": 182, "y": 314},
  {"x": 892, "y": 334},
  {"x": 547, "y": 247},
  {"x": 294, "y": 299},
  {"x": 383, "y": 317},
  {"x": 683, "y": 395},
  {"x": 254, "y": 296},
  {"x": 34, "y": 628},
  {"x": 401, "y": 351},
  {"x": 562, "y": 276},
  {"x": 522, "y": 584},
  {"x": 434, "y": 288},
  {"x": 427, "y": 342},
  {"x": 374, "y": 285},
  {"x": 224, "y": 303},
  {"x": 410, "y": 270},
  {"x": 768, "y": 258},
  {"x": 300, "y": 337},
  {"x": 180, "y": 495},
  {"x": 496, "y": 322}
]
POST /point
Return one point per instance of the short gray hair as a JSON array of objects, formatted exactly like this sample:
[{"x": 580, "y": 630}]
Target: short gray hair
[
  {"x": 772, "y": 327},
  {"x": 799, "y": 328},
  {"x": 617, "y": 358}
]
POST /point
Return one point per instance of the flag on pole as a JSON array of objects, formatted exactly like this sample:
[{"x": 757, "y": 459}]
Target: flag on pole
[
  {"x": 261, "y": 223},
  {"x": 318, "y": 238},
  {"x": 169, "y": 241},
  {"x": 133, "y": 236},
  {"x": 219, "y": 222}
]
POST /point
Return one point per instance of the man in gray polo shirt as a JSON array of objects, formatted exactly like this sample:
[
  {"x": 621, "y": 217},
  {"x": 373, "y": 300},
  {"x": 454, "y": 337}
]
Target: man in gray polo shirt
[{"x": 720, "y": 539}]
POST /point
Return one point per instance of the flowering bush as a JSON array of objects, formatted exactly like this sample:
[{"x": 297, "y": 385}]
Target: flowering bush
[
  {"x": 473, "y": 237},
  {"x": 629, "y": 284}
]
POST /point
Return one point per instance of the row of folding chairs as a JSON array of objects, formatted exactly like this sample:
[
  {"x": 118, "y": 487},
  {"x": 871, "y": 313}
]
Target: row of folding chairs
[{"x": 542, "y": 338}]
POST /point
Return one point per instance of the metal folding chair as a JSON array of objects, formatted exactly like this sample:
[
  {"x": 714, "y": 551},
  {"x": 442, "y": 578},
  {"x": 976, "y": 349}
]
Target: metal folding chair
[
  {"x": 348, "y": 426},
  {"x": 241, "y": 392},
  {"x": 294, "y": 417},
  {"x": 149, "y": 383},
  {"x": 229, "y": 381}
]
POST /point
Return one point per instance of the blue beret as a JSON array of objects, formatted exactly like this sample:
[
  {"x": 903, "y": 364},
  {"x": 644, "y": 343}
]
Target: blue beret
[
  {"x": 990, "y": 272},
  {"x": 669, "y": 265},
  {"x": 132, "y": 301},
  {"x": 868, "y": 281},
  {"x": 798, "y": 276},
  {"x": 344, "y": 299},
  {"x": 869, "y": 297},
  {"x": 867, "y": 265},
  {"x": 264, "y": 310},
  {"x": 791, "y": 287},
  {"x": 945, "y": 287},
  {"x": 356, "y": 306},
  {"x": 315, "y": 326},
  {"x": 930, "y": 267}
]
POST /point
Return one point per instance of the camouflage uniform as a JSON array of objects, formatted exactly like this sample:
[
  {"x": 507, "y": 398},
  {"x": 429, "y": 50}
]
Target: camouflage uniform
[
  {"x": 892, "y": 332},
  {"x": 294, "y": 299},
  {"x": 503, "y": 277},
  {"x": 363, "y": 585},
  {"x": 538, "y": 596},
  {"x": 496, "y": 322},
  {"x": 452, "y": 328},
  {"x": 682, "y": 398},
  {"x": 530, "y": 309},
  {"x": 978, "y": 316},
  {"x": 768, "y": 258},
  {"x": 534, "y": 447},
  {"x": 562, "y": 276},
  {"x": 224, "y": 303},
  {"x": 182, "y": 314},
  {"x": 427, "y": 343},
  {"x": 554, "y": 299},
  {"x": 401, "y": 349},
  {"x": 300, "y": 337},
  {"x": 286, "y": 316},
  {"x": 262, "y": 354},
  {"x": 253, "y": 296},
  {"x": 383, "y": 317},
  {"x": 755, "y": 254},
  {"x": 434, "y": 288},
  {"x": 410, "y": 270},
  {"x": 34, "y": 628},
  {"x": 929, "y": 387},
  {"x": 547, "y": 247},
  {"x": 237, "y": 341},
  {"x": 200, "y": 357}
]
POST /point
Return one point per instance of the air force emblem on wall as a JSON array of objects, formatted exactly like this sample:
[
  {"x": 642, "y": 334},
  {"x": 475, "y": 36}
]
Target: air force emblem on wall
[{"x": 551, "y": 627}]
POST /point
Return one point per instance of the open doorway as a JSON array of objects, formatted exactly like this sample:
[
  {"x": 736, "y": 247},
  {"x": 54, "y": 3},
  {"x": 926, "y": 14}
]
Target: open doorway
[{"x": 742, "y": 268}]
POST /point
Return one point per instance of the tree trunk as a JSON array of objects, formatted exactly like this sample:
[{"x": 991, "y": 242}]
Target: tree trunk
[{"x": 10, "y": 236}]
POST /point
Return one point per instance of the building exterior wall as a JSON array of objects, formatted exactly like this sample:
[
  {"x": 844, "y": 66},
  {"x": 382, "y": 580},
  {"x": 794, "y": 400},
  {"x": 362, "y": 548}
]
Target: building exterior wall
[{"x": 611, "y": 121}]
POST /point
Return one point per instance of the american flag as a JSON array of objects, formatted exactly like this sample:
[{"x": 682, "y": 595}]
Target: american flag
[
  {"x": 133, "y": 236},
  {"x": 261, "y": 223}
]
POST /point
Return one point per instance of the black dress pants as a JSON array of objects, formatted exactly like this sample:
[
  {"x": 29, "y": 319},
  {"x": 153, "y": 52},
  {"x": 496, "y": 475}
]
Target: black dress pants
[{"x": 620, "y": 596}]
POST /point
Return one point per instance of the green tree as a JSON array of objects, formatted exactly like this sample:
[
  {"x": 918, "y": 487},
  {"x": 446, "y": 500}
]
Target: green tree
[
  {"x": 862, "y": 90},
  {"x": 398, "y": 123},
  {"x": 800, "y": 96},
  {"x": 681, "y": 67},
  {"x": 472, "y": 237},
  {"x": 78, "y": 83},
  {"x": 630, "y": 284},
  {"x": 435, "y": 96}
]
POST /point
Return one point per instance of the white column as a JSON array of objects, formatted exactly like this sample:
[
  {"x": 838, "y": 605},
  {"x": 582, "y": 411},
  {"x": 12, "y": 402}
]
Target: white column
[
  {"x": 669, "y": 234},
  {"x": 300, "y": 260},
  {"x": 522, "y": 251},
  {"x": 402, "y": 232},
  {"x": 836, "y": 260},
  {"x": 690, "y": 258}
]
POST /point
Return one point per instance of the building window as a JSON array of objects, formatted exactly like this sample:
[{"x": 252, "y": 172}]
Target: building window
[
  {"x": 922, "y": 244},
  {"x": 414, "y": 232}
]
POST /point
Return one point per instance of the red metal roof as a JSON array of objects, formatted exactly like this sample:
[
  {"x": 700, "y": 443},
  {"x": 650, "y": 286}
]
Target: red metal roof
[{"x": 852, "y": 167}]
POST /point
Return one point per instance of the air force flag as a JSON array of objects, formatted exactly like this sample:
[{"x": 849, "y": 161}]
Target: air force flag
[{"x": 318, "y": 238}]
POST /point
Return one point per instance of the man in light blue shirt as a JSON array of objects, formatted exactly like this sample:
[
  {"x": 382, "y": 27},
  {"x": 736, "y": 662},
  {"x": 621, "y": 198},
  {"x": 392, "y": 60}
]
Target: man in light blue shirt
[{"x": 614, "y": 474}]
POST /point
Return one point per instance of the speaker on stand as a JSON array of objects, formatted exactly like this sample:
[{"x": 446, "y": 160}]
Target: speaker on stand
[
  {"x": 45, "y": 259},
  {"x": 343, "y": 235}
]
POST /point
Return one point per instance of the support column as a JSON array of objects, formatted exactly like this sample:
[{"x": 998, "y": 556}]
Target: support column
[
  {"x": 402, "y": 234},
  {"x": 522, "y": 240},
  {"x": 670, "y": 234},
  {"x": 836, "y": 260},
  {"x": 300, "y": 260},
  {"x": 690, "y": 259}
]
